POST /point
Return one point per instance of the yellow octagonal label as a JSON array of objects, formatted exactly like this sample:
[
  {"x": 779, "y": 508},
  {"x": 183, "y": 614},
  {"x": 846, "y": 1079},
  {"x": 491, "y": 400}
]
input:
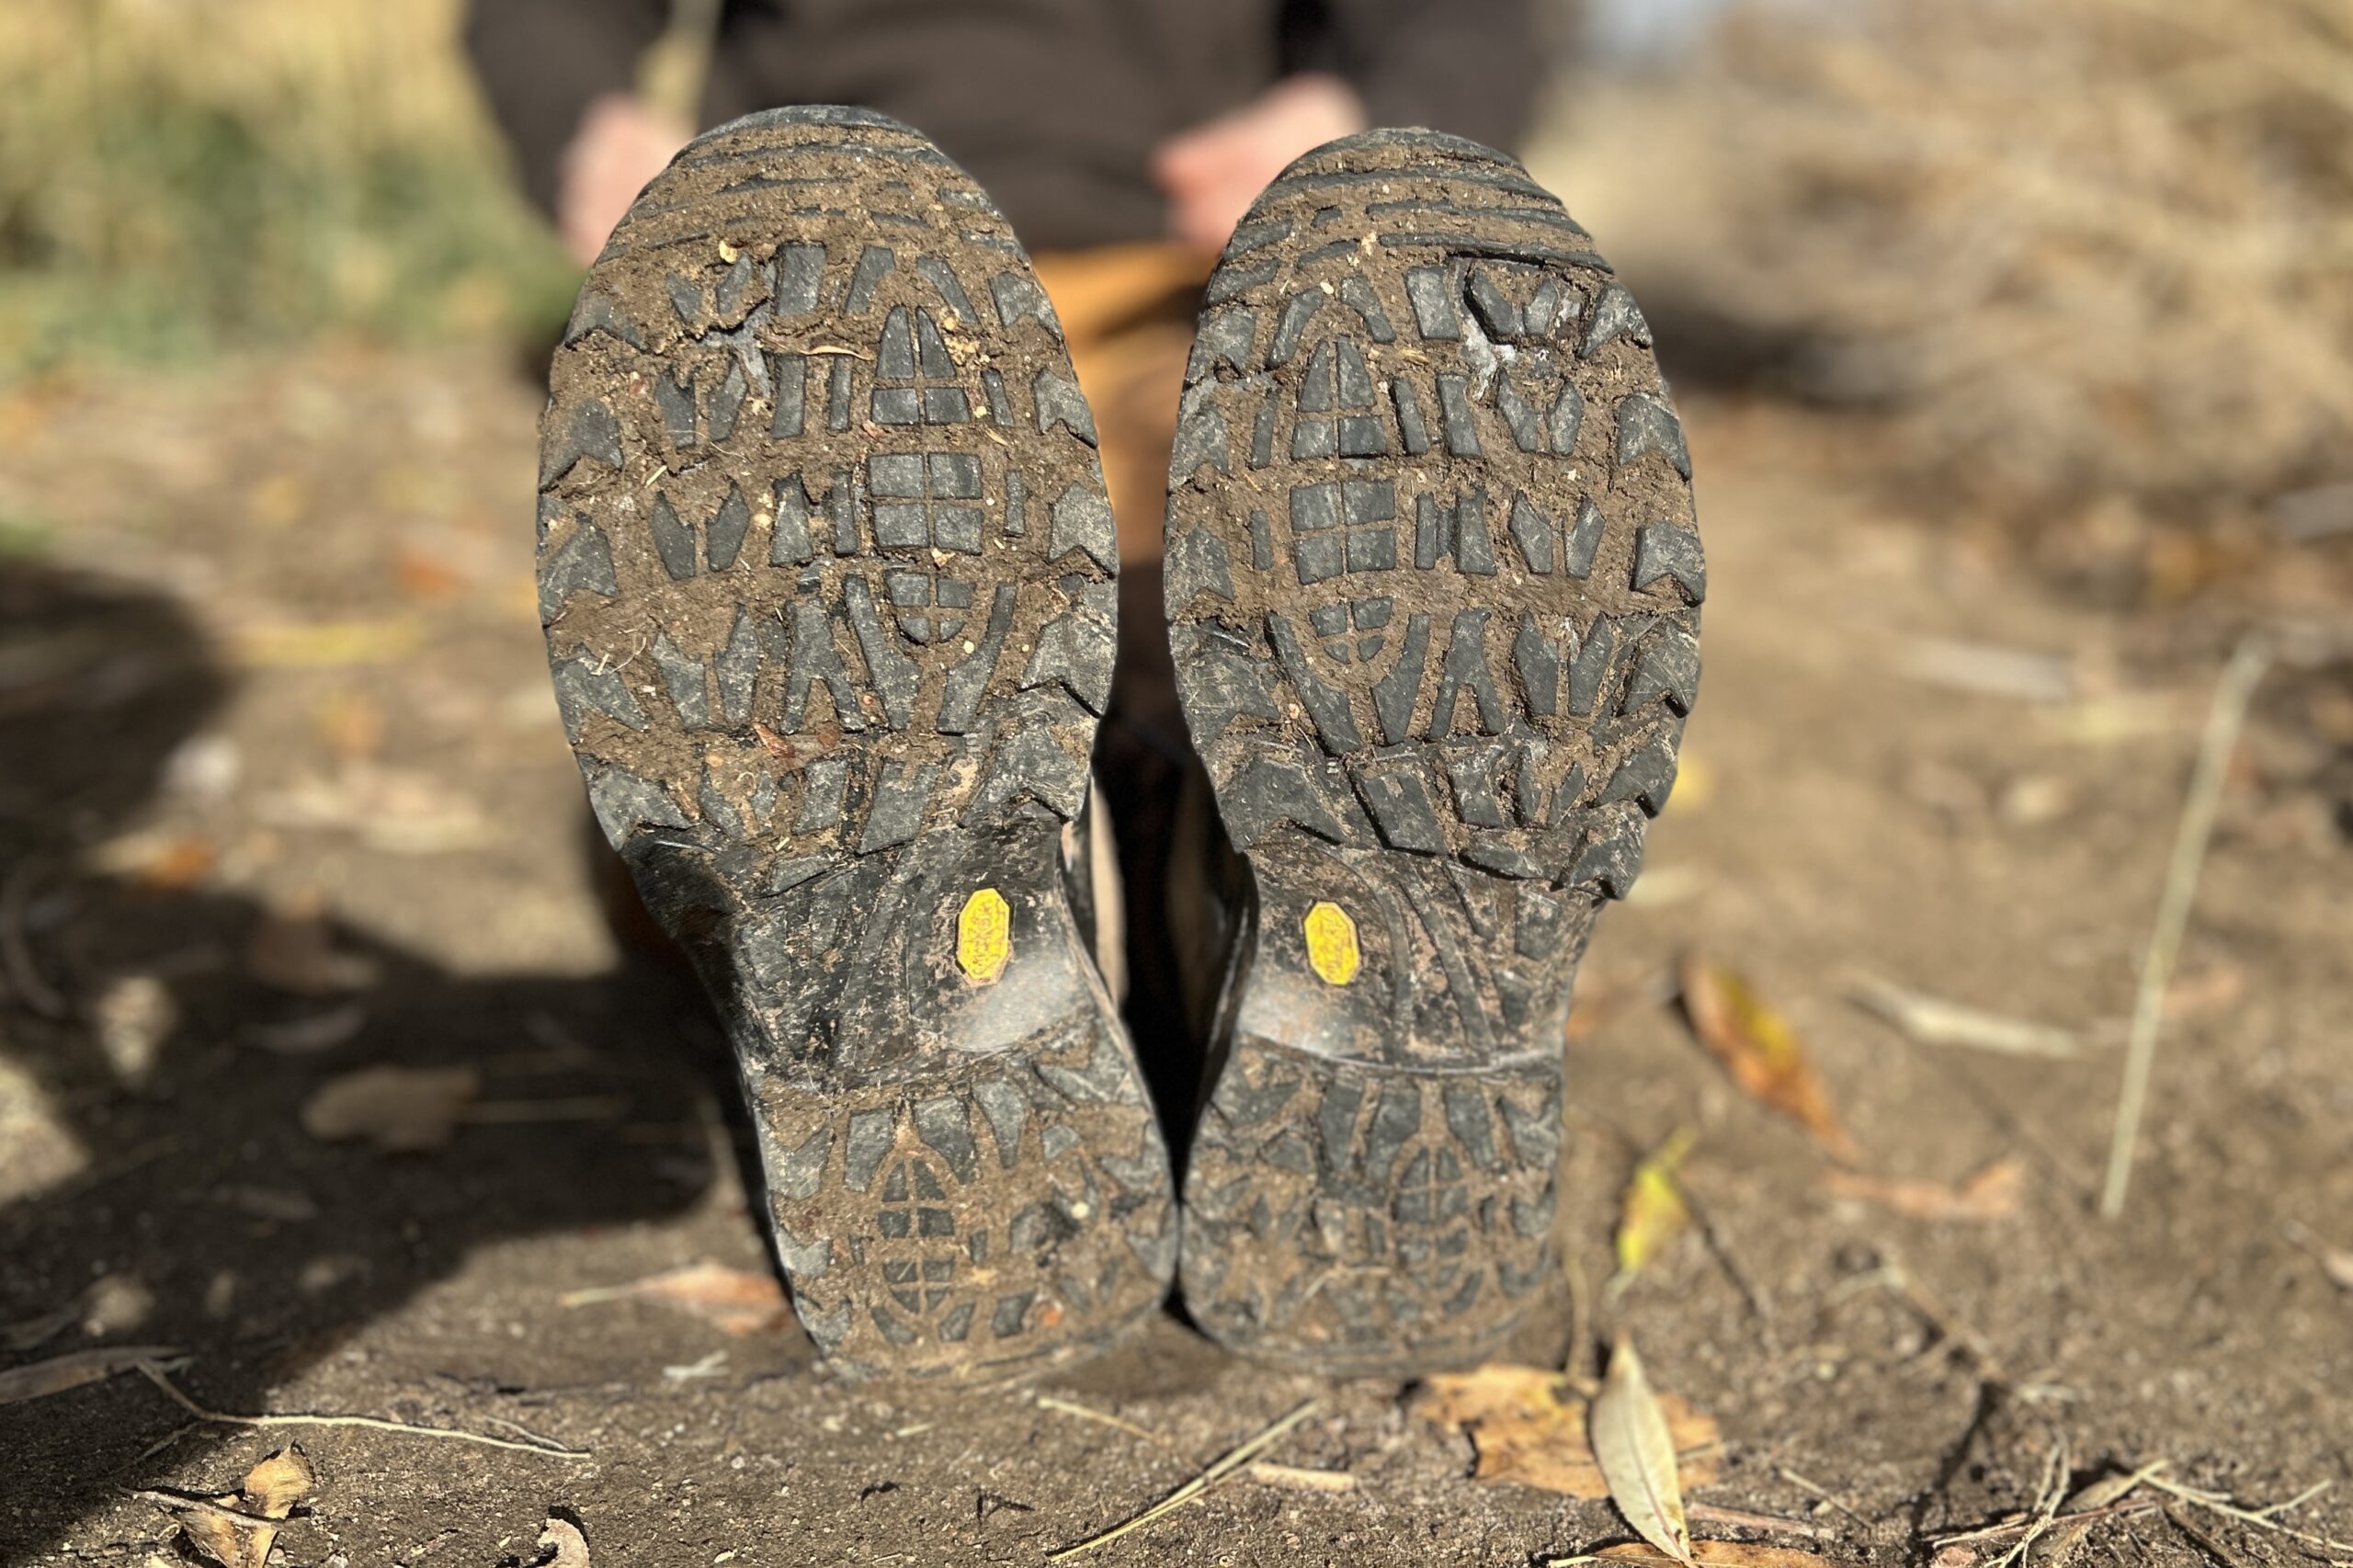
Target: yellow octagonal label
[
  {"x": 984, "y": 935},
  {"x": 1331, "y": 943}
]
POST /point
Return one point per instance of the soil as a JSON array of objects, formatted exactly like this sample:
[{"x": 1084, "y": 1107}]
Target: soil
[{"x": 283, "y": 795}]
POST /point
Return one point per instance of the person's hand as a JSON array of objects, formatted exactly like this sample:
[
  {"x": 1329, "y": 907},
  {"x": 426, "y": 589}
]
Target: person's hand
[
  {"x": 1214, "y": 172},
  {"x": 621, "y": 143}
]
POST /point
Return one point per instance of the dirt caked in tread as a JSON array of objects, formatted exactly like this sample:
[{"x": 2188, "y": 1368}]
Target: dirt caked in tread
[
  {"x": 827, "y": 575},
  {"x": 1433, "y": 578}
]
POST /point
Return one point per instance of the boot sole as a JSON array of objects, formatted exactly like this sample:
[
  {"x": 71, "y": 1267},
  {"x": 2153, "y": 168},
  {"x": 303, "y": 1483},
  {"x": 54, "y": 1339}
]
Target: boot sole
[
  {"x": 1433, "y": 580},
  {"x": 827, "y": 574}
]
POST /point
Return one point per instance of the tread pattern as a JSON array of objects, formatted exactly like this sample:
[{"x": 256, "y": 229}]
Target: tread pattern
[
  {"x": 1433, "y": 582},
  {"x": 827, "y": 577}
]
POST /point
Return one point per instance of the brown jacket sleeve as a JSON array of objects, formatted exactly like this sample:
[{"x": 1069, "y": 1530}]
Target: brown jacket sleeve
[
  {"x": 1468, "y": 67},
  {"x": 541, "y": 62}
]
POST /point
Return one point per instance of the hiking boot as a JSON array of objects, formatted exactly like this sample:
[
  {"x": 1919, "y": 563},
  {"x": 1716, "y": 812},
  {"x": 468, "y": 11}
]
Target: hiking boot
[
  {"x": 1433, "y": 589},
  {"x": 828, "y": 579}
]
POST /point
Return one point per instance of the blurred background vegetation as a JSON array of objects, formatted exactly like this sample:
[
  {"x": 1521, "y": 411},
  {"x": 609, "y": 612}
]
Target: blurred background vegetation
[{"x": 178, "y": 178}]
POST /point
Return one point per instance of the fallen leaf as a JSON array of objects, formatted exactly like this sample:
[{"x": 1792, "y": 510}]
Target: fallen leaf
[
  {"x": 270, "y": 1492},
  {"x": 1712, "y": 1554},
  {"x": 735, "y": 1301},
  {"x": 1635, "y": 1448},
  {"x": 156, "y": 860},
  {"x": 1653, "y": 1212},
  {"x": 1993, "y": 1193},
  {"x": 180, "y": 865},
  {"x": 424, "y": 575},
  {"x": 75, "y": 1369},
  {"x": 396, "y": 1108},
  {"x": 1526, "y": 1429},
  {"x": 563, "y": 1544},
  {"x": 293, "y": 949},
  {"x": 274, "y": 1485},
  {"x": 1931, "y": 1020},
  {"x": 1760, "y": 1050}
]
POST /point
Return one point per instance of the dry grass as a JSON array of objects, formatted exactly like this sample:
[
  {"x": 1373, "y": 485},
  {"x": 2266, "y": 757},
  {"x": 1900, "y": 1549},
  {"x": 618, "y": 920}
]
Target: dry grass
[
  {"x": 176, "y": 175},
  {"x": 2093, "y": 254}
]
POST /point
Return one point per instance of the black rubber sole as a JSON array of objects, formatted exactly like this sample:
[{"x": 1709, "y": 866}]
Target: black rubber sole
[
  {"x": 1433, "y": 578},
  {"x": 827, "y": 574}
]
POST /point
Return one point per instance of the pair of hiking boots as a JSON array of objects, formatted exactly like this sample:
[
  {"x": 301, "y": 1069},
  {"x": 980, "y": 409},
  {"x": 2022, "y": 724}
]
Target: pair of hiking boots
[{"x": 827, "y": 573}]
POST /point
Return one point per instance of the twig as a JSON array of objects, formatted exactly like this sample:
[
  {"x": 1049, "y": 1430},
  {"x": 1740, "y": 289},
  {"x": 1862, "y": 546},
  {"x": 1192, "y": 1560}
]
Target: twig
[
  {"x": 1932, "y": 1020},
  {"x": 1302, "y": 1480},
  {"x": 2179, "y": 1518},
  {"x": 374, "y": 1423},
  {"x": 2120, "y": 1510},
  {"x": 1802, "y": 1484},
  {"x": 181, "y": 1503},
  {"x": 1234, "y": 1459},
  {"x": 2262, "y": 1519},
  {"x": 2046, "y": 1507},
  {"x": 1742, "y": 1519},
  {"x": 2232, "y": 693},
  {"x": 1721, "y": 1252},
  {"x": 1129, "y": 1427}
]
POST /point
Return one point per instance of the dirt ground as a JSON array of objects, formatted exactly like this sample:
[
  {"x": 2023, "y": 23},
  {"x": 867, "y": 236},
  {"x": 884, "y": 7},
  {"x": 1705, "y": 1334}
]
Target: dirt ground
[{"x": 283, "y": 795}]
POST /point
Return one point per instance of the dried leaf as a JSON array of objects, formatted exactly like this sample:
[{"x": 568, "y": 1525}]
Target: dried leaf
[
  {"x": 1652, "y": 1212},
  {"x": 425, "y": 576},
  {"x": 270, "y": 1492},
  {"x": 75, "y": 1369},
  {"x": 562, "y": 1545},
  {"x": 1760, "y": 1050},
  {"x": 279, "y": 1482},
  {"x": 1993, "y": 1193},
  {"x": 1635, "y": 1450},
  {"x": 179, "y": 864},
  {"x": 735, "y": 1301},
  {"x": 397, "y": 1108},
  {"x": 1527, "y": 1429}
]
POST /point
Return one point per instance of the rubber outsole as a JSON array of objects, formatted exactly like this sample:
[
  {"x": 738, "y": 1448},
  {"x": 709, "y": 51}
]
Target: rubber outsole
[
  {"x": 1433, "y": 578},
  {"x": 827, "y": 575}
]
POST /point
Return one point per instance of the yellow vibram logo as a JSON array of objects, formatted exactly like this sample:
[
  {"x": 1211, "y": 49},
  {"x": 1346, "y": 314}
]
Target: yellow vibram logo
[
  {"x": 1332, "y": 944},
  {"x": 984, "y": 935}
]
